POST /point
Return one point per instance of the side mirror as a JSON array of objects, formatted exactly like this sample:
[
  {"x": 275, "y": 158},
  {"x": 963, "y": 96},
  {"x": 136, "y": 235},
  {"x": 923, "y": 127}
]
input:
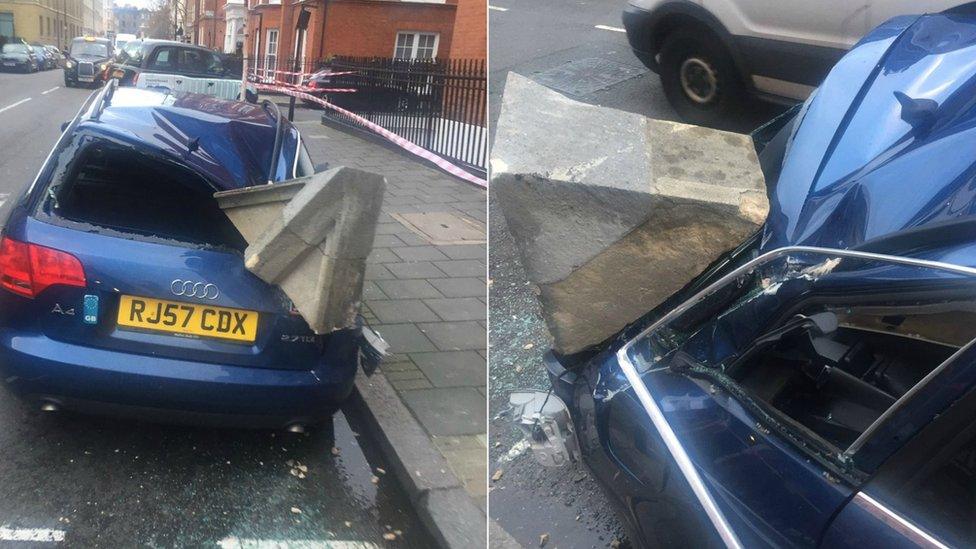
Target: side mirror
[{"x": 64, "y": 126}]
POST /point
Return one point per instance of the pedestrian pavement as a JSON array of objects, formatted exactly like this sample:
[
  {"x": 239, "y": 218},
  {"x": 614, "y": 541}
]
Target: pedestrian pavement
[{"x": 427, "y": 299}]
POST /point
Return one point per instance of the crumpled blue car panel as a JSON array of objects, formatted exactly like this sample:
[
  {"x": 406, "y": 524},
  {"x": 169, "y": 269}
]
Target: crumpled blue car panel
[
  {"x": 234, "y": 137},
  {"x": 881, "y": 158},
  {"x": 880, "y": 146}
]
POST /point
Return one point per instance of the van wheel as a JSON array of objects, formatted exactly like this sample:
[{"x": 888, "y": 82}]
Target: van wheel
[{"x": 699, "y": 78}]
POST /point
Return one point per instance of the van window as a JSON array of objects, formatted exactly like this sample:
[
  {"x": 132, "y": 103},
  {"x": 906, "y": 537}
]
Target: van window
[
  {"x": 196, "y": 61},
  {"x": 119, "y": 189},
  {"x": 164, "y": 59}
]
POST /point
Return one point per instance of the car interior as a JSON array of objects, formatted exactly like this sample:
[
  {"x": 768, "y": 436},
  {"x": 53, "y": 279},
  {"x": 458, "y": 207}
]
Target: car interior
[
  {"x": 111, "y": 187},
  {"x": 835, "y": 372}
]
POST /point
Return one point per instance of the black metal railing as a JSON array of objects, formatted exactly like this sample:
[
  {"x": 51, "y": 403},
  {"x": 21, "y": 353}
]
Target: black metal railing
[{"x": 439, "y": 105}]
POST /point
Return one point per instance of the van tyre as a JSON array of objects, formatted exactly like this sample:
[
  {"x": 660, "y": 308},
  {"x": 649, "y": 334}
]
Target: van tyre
[{"x": 699, "y": 78}]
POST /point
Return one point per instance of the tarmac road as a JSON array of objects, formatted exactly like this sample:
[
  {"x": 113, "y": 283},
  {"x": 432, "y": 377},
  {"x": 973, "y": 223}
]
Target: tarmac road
[{"x": 92, "y": 482}]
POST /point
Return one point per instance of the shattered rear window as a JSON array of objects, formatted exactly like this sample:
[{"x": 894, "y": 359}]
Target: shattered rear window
[{"x": 107, "y": 185}]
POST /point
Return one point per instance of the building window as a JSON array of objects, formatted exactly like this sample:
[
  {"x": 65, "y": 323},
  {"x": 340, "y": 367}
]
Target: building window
[
  {"x": 49, "y": 26},
  {"x": 416, "y": 45},
  {"x": 7, "y": 24},
  {"x": 271, "y": 52},
  {"x": 40, "y": 23}
]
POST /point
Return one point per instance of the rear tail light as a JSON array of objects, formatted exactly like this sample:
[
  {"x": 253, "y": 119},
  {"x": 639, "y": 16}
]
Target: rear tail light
[
  {"x": 27, "y": 269},
  {"x": 313, "y": 84}
]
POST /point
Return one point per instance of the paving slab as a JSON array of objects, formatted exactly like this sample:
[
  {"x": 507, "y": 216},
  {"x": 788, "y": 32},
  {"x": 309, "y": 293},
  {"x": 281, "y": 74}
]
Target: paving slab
[
  {"x": 451, "y": 369},
  {"x": 460, "y": 287},
  {"x": 458, "y": 308},
  {"x": 455, "y": 336},
  {"x": 462, "y": 267},
  {"x": 405, "y": 338},
  {"x": 417, "y": 269},
  {"x": 401, "y": 310},
  {"x": 408, "y": 289},
  {"x": 448, "y": 410}
]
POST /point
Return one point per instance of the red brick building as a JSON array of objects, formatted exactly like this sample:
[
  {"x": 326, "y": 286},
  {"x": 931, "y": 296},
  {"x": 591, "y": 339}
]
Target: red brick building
[
  {"x": 367, "y": 28},
  {"x": 209, "y": 24}
]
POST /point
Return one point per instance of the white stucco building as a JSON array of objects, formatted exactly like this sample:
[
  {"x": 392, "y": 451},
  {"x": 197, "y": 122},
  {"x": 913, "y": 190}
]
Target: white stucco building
[{"x": 235, "y": 15}]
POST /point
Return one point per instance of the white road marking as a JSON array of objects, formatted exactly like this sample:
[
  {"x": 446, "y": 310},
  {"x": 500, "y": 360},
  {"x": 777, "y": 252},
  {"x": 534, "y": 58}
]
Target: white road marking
[
  {"x": 496, "y": 8},
  {"x": 609, "y": 28},
  {"x": 315, "y": 136},
  {"x": 31, "y": 534},
  {"x": 15, "y": 104},
  {"x": 232, "y": 542},
  {"x": 50, "y": 90}
]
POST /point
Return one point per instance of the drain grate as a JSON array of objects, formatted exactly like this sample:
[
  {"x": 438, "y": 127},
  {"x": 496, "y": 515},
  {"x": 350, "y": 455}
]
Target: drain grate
[
  {"x": 443, "y": 228},
  {"x": 585, "y": 76}
]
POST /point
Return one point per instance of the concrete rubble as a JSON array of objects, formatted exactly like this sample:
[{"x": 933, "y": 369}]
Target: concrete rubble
[
  {"x": 613, "y": 212},
  {"x": 311, "y": 238}
]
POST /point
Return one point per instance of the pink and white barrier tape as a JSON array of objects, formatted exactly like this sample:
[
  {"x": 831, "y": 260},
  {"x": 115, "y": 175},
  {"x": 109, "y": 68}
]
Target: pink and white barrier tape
[
  {"x": 310, "y": 89},
  {"x": 392, "y": 137},
  {"x": 254, "y": 72}
]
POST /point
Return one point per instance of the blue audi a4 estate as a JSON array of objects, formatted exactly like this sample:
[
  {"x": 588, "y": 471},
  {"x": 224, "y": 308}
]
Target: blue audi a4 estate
[
  {"x": 816, "y": 386},
  {"x": 122, "y": 284}
]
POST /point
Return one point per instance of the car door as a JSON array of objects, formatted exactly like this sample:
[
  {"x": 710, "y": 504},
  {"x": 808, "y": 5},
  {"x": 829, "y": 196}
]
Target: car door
[
  {"x": 788, "y": 46},
  {"x": 160, "y": 70},
  {"x": 770, "y": 430},
  {"x": 924, "y": 495},
  {"x": 203, "y": 72}
]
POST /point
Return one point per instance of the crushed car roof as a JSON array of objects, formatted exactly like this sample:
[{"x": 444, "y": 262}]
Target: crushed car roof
[
  {"x": 883, "y": 147},
  {"x": 229, "y": 142}
]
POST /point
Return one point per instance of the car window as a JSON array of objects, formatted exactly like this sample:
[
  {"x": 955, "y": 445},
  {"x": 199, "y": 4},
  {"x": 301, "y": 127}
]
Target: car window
[
  {"x": 83, "y": 47},
  {"x": 14, "y": 48},
  {"x": 116, "y": 188},
  {"x": 131, "y": 54},
  {"x": 163, "y": 59}
]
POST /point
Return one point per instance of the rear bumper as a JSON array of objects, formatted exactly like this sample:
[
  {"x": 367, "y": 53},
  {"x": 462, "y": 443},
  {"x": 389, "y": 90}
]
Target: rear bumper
[
  {"x": 39, "y": 369},
  {"x": 639, "y": 24},
  {"x": 17, "y": 66}
]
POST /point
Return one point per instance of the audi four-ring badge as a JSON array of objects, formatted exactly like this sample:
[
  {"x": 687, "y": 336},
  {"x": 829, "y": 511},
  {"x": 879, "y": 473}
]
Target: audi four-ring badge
[
  {"x": 189, "y": 288},
  {"x": 179, "y": 329}
]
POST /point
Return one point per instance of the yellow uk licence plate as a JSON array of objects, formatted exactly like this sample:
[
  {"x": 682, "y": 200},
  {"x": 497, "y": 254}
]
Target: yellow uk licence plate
[{"x": 187, "y": 318}]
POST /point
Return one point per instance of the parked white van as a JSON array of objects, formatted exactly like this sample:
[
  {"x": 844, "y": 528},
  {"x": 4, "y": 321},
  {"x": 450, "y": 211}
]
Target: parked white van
[{"x": 711, "y": 54}]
